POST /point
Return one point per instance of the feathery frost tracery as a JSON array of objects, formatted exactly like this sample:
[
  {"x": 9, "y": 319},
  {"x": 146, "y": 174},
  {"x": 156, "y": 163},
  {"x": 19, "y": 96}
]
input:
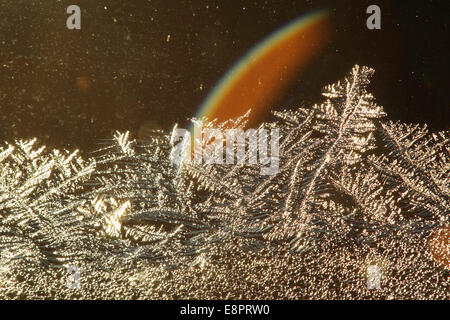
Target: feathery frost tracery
[{"x": 352, "y": 189}]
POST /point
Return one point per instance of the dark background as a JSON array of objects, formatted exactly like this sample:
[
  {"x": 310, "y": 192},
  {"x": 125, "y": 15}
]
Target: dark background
[{"x": 71, "y": 88}]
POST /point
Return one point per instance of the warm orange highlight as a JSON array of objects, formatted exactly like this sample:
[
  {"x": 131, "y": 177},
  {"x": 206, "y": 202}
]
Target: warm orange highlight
[
  {"x": 440, "y": 246},
  {"x": 266, "y": 76}
]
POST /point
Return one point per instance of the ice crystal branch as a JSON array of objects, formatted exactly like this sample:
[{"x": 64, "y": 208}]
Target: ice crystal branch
[{"x": 352, "y": 188}]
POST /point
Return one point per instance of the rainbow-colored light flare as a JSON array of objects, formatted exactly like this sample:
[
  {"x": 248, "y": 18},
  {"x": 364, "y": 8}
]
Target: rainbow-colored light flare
[{"x": 260, "y": 76}]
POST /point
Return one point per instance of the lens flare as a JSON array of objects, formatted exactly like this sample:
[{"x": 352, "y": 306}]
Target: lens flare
[
  {"x": 265, "y": 71},
  {"x": 440, "y": 247}
]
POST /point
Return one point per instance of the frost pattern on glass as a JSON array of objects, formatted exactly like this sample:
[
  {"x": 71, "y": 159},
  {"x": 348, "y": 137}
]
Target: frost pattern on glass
[{"x": 352, "y": 190}]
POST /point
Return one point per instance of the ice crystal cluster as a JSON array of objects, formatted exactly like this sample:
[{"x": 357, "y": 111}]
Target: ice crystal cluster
[{"x": 354, "y": 193}]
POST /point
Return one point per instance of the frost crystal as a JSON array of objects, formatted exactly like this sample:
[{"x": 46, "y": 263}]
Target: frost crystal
[{"x": 353, "y": 191}]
